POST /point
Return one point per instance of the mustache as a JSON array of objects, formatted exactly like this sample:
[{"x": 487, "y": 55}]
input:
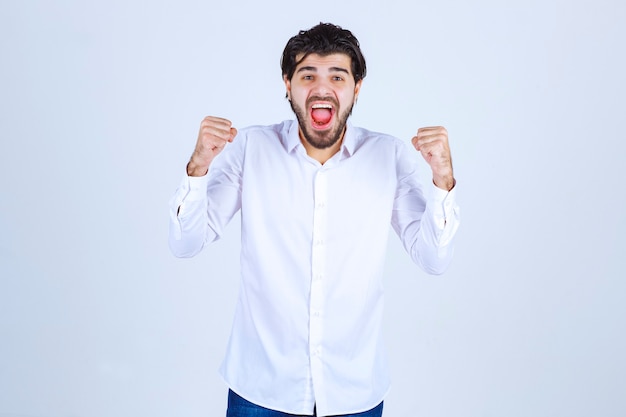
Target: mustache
[{"x": 328, "y": 99}]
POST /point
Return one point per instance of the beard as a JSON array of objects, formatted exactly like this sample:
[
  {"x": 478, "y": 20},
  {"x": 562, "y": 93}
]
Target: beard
[{"x": 321, "y": 139}]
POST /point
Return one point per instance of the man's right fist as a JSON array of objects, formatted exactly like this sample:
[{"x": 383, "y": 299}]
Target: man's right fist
[{"x": 214, "y": 134}]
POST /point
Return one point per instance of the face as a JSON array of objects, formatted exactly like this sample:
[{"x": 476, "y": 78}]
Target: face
[{"x": 322, "y": 92}]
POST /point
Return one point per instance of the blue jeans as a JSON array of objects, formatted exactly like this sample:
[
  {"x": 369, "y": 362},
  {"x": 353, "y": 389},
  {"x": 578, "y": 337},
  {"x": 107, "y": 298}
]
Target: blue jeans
[{"x": 240, "y": 407}]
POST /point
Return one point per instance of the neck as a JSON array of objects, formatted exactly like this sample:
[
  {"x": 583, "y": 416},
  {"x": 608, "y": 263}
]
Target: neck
[{"x": 321, "y": 155}]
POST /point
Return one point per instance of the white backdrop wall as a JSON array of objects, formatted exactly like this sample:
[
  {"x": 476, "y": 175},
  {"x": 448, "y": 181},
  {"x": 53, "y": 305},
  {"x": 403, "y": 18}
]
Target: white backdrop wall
[{"x": 100, "y": 106}]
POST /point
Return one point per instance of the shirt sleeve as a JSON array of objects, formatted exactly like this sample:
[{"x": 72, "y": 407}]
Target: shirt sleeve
[
  {"x": 188, "y": 217},
  {"x": 426, "y": 226},
  {"x": 202, "y": 206}
]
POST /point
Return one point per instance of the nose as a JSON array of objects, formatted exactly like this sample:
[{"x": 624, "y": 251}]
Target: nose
[{"x": 322, "y": 87}]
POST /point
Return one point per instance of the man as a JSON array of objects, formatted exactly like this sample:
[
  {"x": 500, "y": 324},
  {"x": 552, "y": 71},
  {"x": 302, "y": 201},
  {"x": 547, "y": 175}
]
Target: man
[{"x": 316, "y": 198}]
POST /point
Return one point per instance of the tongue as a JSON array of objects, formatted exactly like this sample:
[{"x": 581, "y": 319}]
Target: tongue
[{"x": 321, "y": 116}]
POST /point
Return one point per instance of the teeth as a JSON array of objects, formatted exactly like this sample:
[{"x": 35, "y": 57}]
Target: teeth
[{"x": 322, "y": 106}]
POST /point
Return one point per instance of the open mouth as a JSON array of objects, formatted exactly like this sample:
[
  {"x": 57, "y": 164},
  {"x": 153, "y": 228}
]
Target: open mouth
[{"x": 322, "y": 115}]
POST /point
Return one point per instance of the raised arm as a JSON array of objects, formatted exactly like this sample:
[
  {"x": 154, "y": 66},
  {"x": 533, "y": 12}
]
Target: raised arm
[
  {"x": 427, "y": 226},
  {"x": 204, "y": 202}
]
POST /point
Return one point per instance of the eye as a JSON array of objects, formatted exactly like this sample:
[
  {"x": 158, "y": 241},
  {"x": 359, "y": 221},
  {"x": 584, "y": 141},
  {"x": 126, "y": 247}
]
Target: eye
[
  {"x": 307, "y": 77},
  {"x": 337, "y": 78}
]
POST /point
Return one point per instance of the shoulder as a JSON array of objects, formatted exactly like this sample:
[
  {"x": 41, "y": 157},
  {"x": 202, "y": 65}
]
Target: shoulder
[
  {"x": 395, "y": 152},
  {"x": 276, "y": 136},
  {"x": 372, "y": 139},
  {"x": 273, "y": 130},
  {"x": 252, "y": 141}
]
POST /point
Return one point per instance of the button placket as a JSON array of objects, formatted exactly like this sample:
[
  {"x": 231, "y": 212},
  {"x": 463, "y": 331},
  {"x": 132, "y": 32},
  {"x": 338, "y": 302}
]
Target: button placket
[{"x": 318, "y": 264}]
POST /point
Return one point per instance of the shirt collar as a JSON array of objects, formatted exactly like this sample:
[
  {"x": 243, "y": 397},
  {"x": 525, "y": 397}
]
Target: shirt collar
[
  {"x": 349, "y": 140},
  {"x": 292, "y": 139}
]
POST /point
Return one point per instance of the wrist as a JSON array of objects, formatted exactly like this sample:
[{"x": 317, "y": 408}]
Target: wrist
[
  {"x": 445, "y": 183},
  {"x": 195, "y": 170}
]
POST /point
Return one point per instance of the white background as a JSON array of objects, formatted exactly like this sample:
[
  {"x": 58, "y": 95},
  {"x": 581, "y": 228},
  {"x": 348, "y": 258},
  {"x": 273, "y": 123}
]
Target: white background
[{"x": 100, "y": 103}]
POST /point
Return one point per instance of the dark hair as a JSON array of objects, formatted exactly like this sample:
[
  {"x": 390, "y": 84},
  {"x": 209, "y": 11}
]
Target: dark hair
[{"x": 323, "y": 39}]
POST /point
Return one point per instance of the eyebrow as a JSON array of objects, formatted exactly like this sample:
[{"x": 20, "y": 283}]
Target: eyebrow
[{"x": 314, "y": 69}]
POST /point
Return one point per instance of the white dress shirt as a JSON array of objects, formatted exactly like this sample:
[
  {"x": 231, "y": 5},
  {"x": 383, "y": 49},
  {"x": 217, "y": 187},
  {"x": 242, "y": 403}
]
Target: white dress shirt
[{"x": 307, "y": 325}]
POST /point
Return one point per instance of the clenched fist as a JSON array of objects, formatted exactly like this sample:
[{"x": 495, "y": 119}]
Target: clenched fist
[
  {"x": 214, "y": 134},
  {"x": 432, "y": 143}
]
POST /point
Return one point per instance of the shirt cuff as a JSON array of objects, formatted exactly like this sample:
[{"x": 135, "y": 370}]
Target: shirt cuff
[
  {"x": 196, "y": 187},
  {"x": 443, "y": 205},
  {"x": 190, "y": 189}
]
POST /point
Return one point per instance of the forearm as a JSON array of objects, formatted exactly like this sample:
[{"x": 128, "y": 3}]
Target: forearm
[
  {"x": 433, "y": 248},
  {"x": 188, "y": 233},
  {"x": 428, "y": 231},
  {"x": 189, "y": 227}
]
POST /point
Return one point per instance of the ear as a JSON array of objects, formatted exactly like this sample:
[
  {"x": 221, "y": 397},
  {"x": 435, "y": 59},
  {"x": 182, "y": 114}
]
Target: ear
[
  {"x": 287, "y": 87},
  {"x": 357, "y": 88}
]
